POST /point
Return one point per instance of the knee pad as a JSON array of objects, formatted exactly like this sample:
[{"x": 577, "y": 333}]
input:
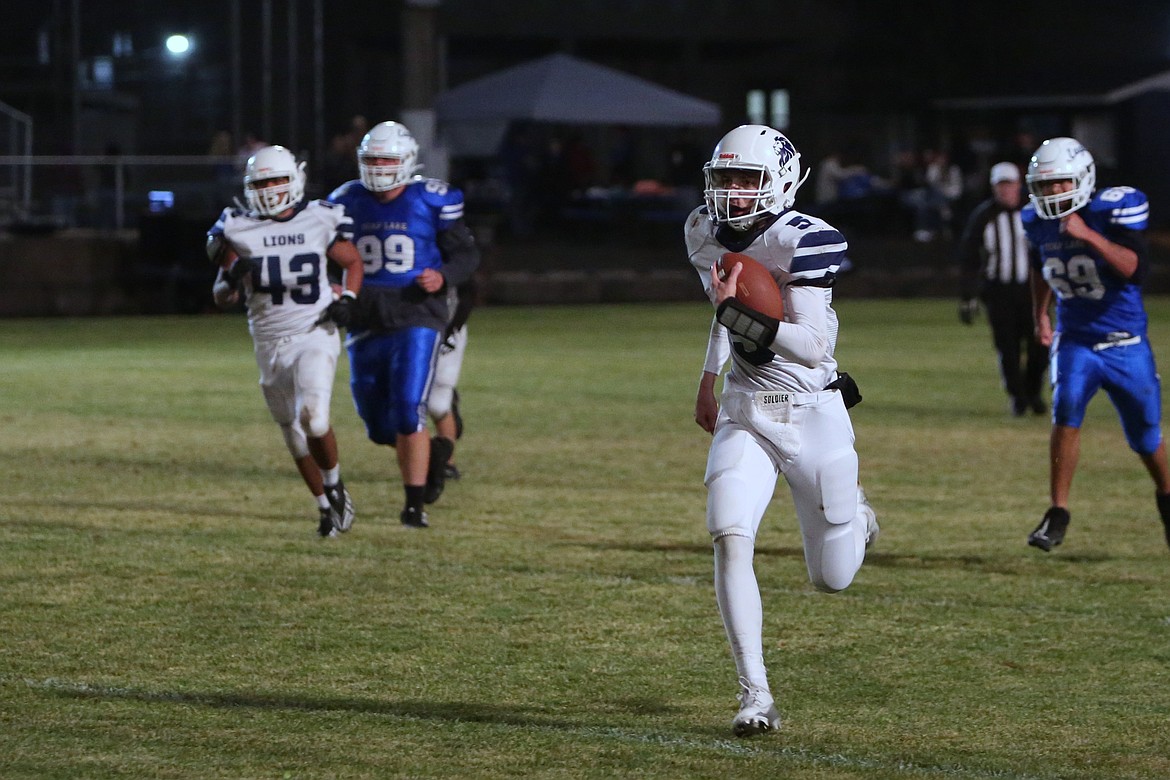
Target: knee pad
[
  {"x": 841, "y": 554},
  {"x": 740, "y": 479},
  {"x": 439, "y": 401},
  {"x": 314, "y": 416},
  {"x": 294, "y": 439}
]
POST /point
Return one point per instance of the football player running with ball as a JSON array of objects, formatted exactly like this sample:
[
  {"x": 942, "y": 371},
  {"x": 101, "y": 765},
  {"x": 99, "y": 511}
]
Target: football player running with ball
[
  {"x": 1089, "y": 250},
  {"x": 415, "y": 245},
  {"x": 275, "y": 253},
  {"x": 783, "y": 406}
]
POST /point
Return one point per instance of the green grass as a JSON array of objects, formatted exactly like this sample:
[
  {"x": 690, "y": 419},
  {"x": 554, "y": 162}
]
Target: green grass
[{"x": 166, "y": 610}]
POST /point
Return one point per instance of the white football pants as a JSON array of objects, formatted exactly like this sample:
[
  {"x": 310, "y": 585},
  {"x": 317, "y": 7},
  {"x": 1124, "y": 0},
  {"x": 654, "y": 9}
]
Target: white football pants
[
  {"x": 815, "y": 453},
  {"x": 446, "y": 376},
  {"x": 296, "y": 376}
]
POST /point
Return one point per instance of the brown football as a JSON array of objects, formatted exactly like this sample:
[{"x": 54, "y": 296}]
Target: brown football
[{"x": 756, "y": 287}]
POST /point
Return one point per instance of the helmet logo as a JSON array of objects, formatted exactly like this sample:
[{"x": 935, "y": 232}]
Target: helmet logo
[{"x": 783, "y": 149}]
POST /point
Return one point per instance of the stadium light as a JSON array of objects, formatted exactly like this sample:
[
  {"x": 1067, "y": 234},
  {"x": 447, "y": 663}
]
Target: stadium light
[{"x": 178, "y": 45}]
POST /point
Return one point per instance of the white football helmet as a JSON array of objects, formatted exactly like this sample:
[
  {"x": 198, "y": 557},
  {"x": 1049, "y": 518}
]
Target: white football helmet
[
  {"x": 771, "y": 161},
  {"x": 1061, "y": 159},
  {"x": 390, "y": 140},
  {"x": 273, "y": 162}
]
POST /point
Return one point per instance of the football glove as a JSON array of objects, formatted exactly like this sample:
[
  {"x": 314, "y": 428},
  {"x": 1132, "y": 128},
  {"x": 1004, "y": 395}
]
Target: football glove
[
  {"x": 752, "y": 327},
  {"x": 968, "y": 310},
  {"x": 241, "y": 268},
  {"x": 342, "y": 310}
]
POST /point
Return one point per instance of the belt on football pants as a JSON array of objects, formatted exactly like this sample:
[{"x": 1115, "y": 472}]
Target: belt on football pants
[{"x": 1129, "y": 342}]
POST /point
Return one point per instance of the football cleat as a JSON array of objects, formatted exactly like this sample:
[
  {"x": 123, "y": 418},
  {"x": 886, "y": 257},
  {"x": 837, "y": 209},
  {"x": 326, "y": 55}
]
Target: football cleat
[
  {"x": 871, "y": 523},
  {"x": 1050, "y": 532},
  {"x": 342, "y": 505},
  {"x": 1164, "y": 512},
  {"x": 325, "y": 528},
  {"x": 441, "y": 450},
  {"x": 451, "y": 471},
  {"x": 414, "y": 518},
  {"x": 757, "y": 710}
]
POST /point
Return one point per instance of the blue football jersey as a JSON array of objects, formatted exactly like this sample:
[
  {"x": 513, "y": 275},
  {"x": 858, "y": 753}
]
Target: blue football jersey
[
  {"x": 1092, "y": 300},
  {"x": 397, "y": 240}
]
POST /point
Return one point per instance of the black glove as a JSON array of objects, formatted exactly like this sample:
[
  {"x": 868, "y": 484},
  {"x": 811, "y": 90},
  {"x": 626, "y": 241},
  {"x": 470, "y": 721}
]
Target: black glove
[
  {"x": 968, "y": 310},
  {"x": 241, "y": 268},
  {"x": 342, "y": 310}
]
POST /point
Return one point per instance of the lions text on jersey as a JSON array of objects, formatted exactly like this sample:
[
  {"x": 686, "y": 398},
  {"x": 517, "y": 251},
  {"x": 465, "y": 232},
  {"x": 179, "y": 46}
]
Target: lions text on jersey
[
  {"x": 1092, "y": 301},
  {"x": 288, "y": 287}
]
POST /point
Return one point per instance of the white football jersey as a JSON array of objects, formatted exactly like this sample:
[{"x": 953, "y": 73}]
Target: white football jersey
[
  {"x": 799, "y": 250},
  {"x": 289, "y": 286}
]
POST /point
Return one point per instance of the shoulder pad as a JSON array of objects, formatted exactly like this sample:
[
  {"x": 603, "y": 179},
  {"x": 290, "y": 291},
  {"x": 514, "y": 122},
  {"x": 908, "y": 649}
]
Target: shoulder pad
[
  {"x": 349, "y": 189},
  {"x": 1124, "y": 206}
]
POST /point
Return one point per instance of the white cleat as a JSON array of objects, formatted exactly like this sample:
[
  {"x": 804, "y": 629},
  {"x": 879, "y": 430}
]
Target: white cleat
[
  {"x": 871, "y": 523},
  {"x": 757, "y": 711},
  {"x": 341, "y": 503}
]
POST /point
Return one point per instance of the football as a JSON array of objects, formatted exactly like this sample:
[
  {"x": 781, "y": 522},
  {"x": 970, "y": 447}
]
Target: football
[{"x": 756, "y": 287}]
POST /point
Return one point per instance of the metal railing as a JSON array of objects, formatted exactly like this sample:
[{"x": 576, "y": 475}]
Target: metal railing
[{"x": 111, "y": 191}]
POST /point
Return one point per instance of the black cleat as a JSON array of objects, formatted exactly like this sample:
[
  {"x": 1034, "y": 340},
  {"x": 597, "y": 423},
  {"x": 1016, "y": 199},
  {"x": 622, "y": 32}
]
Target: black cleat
[
  {"x": 1038, "y": 406},
  {"x": 325, "y": 527},
  {"x": 441, "y": 450},
  {"x": 342, "y": 505},
  {"x": 414, "y": 518},
  {"x": 451, "y": 471},
  {"x": 1050, "y": 532},
  {"x": 1164, "y": 512}
]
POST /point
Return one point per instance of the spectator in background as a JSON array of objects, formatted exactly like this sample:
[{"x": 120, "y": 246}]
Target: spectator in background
[
  {"x": 933, "y": 202},
  {"x": 992, "y": 255},
  {"x": 832, "y": 173},
  {"x": 521, "y": 159},
  {"x": 340, "y": 163},
  {"x": 248, "y": 147}
]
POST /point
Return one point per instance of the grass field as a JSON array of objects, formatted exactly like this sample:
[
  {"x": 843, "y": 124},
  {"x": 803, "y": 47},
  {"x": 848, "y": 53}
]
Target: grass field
[{"x": 166, "y": 610}]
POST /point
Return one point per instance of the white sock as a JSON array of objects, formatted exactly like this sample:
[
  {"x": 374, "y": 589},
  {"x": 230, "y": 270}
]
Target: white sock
[
  {"x": 331, "y": 476},
  {"x": 738, "y": 596},
  {"x": 322, "y": 502}
]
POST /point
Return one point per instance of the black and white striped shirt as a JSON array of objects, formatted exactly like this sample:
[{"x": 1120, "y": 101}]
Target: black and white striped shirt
[{"x": 992, "y": 249}]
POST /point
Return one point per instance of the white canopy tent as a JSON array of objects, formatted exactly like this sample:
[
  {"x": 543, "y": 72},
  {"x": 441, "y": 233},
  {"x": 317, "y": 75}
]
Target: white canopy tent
[{"x": 561, "y": 89}]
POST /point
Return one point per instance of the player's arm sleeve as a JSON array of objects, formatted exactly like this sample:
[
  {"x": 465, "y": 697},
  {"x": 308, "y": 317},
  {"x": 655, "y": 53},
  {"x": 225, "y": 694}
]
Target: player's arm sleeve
[
  {"x": 804, "y": 336},
  {"x": 1137, "y": 242},
  {"x": 467, "y": 293},
  {"x": 459, "y": 251},
  {"x": 718, "y": 348}
]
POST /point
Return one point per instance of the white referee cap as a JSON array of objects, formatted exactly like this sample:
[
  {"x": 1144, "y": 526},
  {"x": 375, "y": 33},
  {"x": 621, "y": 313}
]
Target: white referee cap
[{"x": 1004, "y": 171}]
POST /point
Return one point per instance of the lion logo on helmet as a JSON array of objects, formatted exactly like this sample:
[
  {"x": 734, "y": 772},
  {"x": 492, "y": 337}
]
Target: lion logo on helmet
[{"x": 784, "y": 149}]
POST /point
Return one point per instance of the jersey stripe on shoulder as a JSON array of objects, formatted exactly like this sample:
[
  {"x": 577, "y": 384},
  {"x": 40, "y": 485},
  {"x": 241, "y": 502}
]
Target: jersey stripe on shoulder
[
  {"x": 818, "y": 256},
  {"x": 1132, "y": 217},
  {"x": 451, "y": 212}
]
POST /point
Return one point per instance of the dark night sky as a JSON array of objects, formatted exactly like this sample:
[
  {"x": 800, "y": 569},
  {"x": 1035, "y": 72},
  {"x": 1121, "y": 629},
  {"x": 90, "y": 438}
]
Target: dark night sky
[{"x": 837, "y": 54}]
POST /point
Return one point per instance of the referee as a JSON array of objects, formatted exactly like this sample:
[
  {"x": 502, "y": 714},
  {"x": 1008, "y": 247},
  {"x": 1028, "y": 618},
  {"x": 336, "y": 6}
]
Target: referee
[{"x": 993, "y": 267}]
